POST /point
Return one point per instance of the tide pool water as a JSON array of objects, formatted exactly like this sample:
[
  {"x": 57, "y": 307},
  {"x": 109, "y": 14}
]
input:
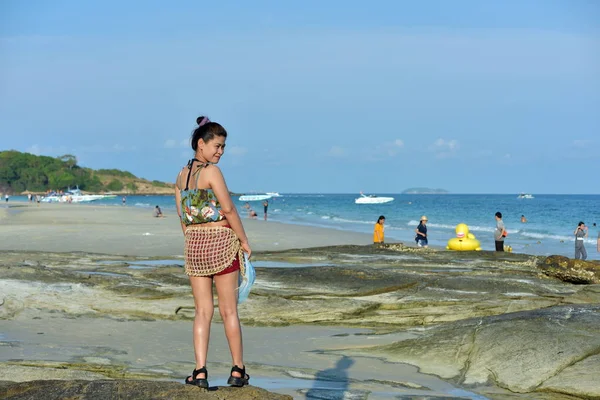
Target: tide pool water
[{"x": 549, "y": 230}]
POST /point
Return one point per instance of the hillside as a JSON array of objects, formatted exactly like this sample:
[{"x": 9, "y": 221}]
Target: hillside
[{"x": 24, "y": 172}]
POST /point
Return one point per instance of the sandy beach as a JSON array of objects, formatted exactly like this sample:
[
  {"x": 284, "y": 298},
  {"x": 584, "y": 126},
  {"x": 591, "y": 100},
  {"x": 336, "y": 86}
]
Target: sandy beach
[
  {"x": 135, "y": 232},
  {"x": 90, "y": 292}
]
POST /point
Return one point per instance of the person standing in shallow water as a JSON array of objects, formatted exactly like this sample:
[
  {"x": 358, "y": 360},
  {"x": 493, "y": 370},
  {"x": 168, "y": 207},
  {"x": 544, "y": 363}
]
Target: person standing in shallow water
[
  {"x": 500, "y": 232},
  {"x": 214, "y": 238},
  {"x": 379, "y": 230},
  {"x": 581, "y": 232},
  {"x": 266, "y": 206}
]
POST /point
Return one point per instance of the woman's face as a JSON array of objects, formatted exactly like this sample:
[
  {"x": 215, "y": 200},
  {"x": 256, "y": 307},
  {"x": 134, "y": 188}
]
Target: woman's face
[{"x": 213, "y": 149}]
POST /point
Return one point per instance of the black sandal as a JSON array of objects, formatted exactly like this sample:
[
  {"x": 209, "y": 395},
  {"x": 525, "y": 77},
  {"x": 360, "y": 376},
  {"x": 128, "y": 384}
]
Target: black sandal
[
  {"x": 200, "y": 382},
  {"x": 238, "y": 381}
]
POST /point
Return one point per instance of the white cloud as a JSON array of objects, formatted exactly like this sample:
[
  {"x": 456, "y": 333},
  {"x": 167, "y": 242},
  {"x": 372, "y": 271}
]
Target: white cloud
[
  {"x": 337, "y": 151},
  {"x": 444, "y": 148},
  {"x": 170, "y": 144},
  {"x": 387, "y": 149},
  {"x": 237, "y": 151},
  {"x": 582, "y": 143},
  {"x": 174, "y": 144},
  {"x": 48, "y": 150}
]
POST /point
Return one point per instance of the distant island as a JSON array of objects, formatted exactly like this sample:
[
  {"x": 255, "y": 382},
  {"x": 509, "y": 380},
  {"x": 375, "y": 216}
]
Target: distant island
[
  {"x": 422, "y": 190},
  {"x": 22, "y": 173}
]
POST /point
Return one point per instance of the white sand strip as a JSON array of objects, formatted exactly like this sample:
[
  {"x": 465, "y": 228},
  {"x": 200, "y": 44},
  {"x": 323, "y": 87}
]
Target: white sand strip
[{"x": 133, "y": 231}]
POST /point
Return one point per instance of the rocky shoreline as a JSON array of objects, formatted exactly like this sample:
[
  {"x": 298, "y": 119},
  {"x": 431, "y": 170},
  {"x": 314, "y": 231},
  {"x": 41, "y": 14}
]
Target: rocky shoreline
[{"x": 499, "y": 325}]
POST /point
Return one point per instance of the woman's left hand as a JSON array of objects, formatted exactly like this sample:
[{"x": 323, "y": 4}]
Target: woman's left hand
[{"x": 246, "y": 248}]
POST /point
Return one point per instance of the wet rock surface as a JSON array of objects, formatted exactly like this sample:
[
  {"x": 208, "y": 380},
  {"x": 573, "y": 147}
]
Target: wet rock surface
[
  {"x": 482, "y": 320},
  {"x": 570, "y": 270},
  {"x": 127, "y": 389}
]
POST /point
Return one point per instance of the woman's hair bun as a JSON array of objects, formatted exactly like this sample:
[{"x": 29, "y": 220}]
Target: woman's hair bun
[{"x": 202, "y": 120}]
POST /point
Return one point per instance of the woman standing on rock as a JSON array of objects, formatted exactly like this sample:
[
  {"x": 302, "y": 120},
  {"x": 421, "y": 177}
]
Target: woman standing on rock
[
  {"x": 214, "y": 242},
  {"x": 379, "y": 230},
  {"x": 580, "y": 234}
]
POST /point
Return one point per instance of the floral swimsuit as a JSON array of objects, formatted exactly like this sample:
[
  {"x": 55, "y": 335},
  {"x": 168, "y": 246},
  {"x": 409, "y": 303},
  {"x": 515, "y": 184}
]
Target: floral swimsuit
[{"x": 199, "y": 206}]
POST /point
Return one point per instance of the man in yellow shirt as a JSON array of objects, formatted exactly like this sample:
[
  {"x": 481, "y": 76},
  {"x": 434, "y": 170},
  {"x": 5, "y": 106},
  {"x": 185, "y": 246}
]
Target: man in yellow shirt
[{"x": 378, "y": 232}]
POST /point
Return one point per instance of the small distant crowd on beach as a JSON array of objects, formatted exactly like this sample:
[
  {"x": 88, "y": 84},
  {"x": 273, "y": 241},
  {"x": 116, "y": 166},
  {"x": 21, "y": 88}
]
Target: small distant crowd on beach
[{"x": 500, "y": 234}]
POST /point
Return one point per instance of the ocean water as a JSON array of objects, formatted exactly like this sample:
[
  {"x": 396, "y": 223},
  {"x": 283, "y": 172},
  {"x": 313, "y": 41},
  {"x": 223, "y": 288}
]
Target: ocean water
[{"x": 549, "y": 230}]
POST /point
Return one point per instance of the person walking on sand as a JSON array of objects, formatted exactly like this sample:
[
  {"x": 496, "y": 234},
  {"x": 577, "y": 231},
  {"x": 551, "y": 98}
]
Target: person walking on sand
[
  {"x": 214, "y": 241},
  {"x": 266, "y": 206},
  {"x": 581, "y": 232},
  {"x": 421, "y": 231},
  {"x": 379, "y": 231},
  {"x": 500, "y": 232}
]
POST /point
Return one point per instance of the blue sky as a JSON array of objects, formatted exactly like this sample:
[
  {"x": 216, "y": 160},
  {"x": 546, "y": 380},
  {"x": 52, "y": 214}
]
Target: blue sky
[{"x": 336, "y": 96}]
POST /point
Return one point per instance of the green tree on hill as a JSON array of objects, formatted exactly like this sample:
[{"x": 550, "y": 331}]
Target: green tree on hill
[
  {"x": 115, "y": 185},
  {"x": 24, "y": 171}
]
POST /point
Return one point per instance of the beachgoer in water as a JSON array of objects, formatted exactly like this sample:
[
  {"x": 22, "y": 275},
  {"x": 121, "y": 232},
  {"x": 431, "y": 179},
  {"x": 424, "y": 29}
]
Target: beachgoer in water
[
  {"x": 124, "y": 200},
  {"x": 158, "y": 212},
  {"x": 523, "y": 219},
  {"x": 214, "y": 239},
  {"x": 247, "y": 207},
  {"x": 421, "y": 232},
  {"x": 500, "y": 232},
  {"x": 6, "y": 197},
  {"x": 253, "y": 214},
  {"x": 266, "y": 206},
  {"x": 379, "y": 230},
  {"x": 581, "y": 232}
]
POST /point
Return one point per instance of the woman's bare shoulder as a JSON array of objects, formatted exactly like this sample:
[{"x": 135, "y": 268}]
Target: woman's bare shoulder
[
  {"x": 212, "y": 169},
  {"x": 181, "y": 175}
]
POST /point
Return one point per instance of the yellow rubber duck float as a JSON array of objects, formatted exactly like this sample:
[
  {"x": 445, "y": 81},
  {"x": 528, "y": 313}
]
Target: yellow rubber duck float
[{"x": 464, "y": 241}]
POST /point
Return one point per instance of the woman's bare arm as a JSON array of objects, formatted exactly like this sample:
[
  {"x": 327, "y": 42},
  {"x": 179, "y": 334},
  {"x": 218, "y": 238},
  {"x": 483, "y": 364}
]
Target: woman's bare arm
[
  {"x": 178, "y": 201},
  {"x": 219, "y": 187}
]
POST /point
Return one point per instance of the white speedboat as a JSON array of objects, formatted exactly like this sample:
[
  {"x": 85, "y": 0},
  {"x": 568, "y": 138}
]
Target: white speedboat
[
  {"x": 73, "y": 196},
  {"x": 255, "y": 197},
  {"x": 372, "y": 199},
  {"x": 525, "y": 196},
  {"x": 273, "y": 194}
]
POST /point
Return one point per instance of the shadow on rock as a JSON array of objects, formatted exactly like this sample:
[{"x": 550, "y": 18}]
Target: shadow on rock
[{"x": 333, "y": 383}]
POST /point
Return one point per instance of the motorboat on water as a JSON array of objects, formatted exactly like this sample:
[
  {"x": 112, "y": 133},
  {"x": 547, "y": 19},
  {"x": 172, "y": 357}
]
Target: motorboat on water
[
  {"x": 525, "y": 196},
  {"x": 274, "y": 194},
  {"x": 372, "y": 199},
  {"x": 255, "y": 197}
]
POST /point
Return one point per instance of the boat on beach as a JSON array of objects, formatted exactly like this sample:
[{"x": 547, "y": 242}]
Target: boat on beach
[
  {"x": 73, "y": 196},
  {"x": 372, "y": 199}
]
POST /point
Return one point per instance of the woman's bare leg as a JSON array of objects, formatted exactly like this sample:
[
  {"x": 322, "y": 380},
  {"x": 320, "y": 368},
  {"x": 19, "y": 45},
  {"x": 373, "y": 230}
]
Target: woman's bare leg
[
  {"x": 227, "y": 291},
  {"x": 203, "y": 300}
]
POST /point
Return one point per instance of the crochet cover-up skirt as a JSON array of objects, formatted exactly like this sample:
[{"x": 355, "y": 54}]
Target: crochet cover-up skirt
[{"x": 210, "y": 250}]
